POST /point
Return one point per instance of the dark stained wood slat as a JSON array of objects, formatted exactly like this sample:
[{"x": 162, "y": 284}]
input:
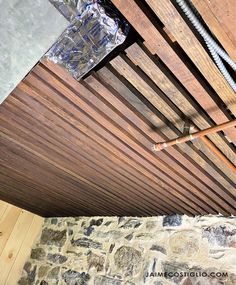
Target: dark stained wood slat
[
  {"x": 94, "y": 135},
  {"x": 153, "y": 135},
  {"x": 105, "y": 96},
  {"x": 97, "y": 103},
  {"x": 85, "y": 142},
  {"x": 158, "y": 45},
  {"x": 36, "y": 170},
  {"x": 72, "y": 162},
  {"x": 84, "y": 148},
  {"x": 102, "y": 120},
  {"x": 94, "y": 156},
  {"x": 24, "y": 186},
  {"x": 56, "y": 180}
]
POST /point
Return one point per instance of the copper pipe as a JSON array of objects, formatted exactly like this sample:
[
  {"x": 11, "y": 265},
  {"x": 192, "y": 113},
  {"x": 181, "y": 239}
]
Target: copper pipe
[
  {"x": 218, "y": 153},
  {"x": 202, "y": 134}
]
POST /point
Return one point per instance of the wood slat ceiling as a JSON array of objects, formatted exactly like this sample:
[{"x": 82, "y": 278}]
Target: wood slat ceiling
[{"x": 84, "y": 148}]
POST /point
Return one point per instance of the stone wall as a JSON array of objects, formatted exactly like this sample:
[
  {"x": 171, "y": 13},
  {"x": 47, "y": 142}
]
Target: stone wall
[{"x": 133, "y": 251}]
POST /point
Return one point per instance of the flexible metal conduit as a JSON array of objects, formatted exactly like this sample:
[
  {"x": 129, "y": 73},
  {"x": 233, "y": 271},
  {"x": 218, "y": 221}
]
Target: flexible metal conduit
[{"x": 215, "y": 50}]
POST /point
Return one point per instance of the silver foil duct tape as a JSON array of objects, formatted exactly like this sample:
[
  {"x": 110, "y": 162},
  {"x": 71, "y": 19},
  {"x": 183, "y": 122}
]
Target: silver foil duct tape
[{"x": 95, "y": 29}]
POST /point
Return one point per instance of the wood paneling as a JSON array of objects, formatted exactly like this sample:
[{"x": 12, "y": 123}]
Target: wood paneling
[
  {"x": 85, "y": 148},
  {"x": 18, "y": 231}
]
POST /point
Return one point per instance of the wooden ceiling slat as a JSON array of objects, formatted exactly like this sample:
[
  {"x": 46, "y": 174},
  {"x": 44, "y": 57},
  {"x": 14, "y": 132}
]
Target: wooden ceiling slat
[
  {"x": 127, "y": 160},
  {"x": 225, "y": 12},
  {"x": 76, "y": 85},
  {"x": 204, "y": 148},
  {"x": 49, "y": 179},
  {"x": 9, "y": 183},
  {"x": 76, "y": 142},
  {"x": 16, "y": 199},
  {"x": 102, "y": 163},
  {"x": 129, "y": 74},
  {"x": 90, "y": 111},
  {"x": 94, "y": 173},
  {"x": 153, "y": 135},
  {"x": 65, "y": 202},
  {"x": 57, "y": 180},
  {"x": 92, "y": 81},
  {"x": 24, "y": 180},
  {"x": 155, "y": 123},
  {"x": 124, "y": 124},
  {"x": 74, "y": 161},
  {"x": 69, "y": 200},
  {"x": 183, "y": 101},
  {"x": 158, "y": 45}
]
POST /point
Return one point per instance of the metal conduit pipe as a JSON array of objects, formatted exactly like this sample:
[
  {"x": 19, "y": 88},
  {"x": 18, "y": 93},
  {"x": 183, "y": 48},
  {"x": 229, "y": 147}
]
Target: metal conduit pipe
[
  {"x": 203, "y": 32},
  {"x": 222, "y": 68},
  {"x": 215, "y": 50}
]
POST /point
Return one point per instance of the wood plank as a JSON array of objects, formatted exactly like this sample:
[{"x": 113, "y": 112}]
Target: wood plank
[
  {"x": 76, "y": 87},
  {"x": 70, "y": 163},
  {"x": 170, "y": 17},
  {"x": 94, "y": 154},
  {"x": 225, "y": 12},
  {"x": 158, "y": 45},
  {"x": 214, "y": 23},
  {"x": 103, "y": 121},
  {"x": 25, "y": 249},
  {"x": 87, "y": 132},
  {"x": 80, "y": 201},
  {"x": 143, "y": 86},
  {"x": 125, "y": 89},
  {"x": 109, "y": 148},
  {"x": 123, "y": 123},
  {"x": 175, "y": 154},
  {"x": 179, "y": 97},
  {"x": 7, "y": 223},
  {"x": 11, "y": 249},
  {"x": 85, "y": 147},
  {"x": 3, "y": 207},
  {"x": 21, "y": 187}
]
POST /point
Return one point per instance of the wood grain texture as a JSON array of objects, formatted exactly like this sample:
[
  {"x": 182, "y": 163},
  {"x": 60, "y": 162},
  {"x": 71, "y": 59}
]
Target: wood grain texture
[
  {"x": 85, "y": 148},
  {"x": 214, "y": 22},
  {"x": 225, "y": 12},
  {"x": 19, "y": 229}
]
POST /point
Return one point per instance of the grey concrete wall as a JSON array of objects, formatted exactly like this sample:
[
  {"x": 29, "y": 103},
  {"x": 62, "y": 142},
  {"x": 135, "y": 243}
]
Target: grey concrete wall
[{"x": 27, "y": 30}]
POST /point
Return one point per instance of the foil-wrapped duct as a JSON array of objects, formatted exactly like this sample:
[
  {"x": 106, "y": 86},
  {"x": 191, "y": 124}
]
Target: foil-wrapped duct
[{"x": 95, "y": 29}]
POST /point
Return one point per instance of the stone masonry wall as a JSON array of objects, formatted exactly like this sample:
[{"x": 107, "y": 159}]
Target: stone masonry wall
[{"x": 133, "y": 251}]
